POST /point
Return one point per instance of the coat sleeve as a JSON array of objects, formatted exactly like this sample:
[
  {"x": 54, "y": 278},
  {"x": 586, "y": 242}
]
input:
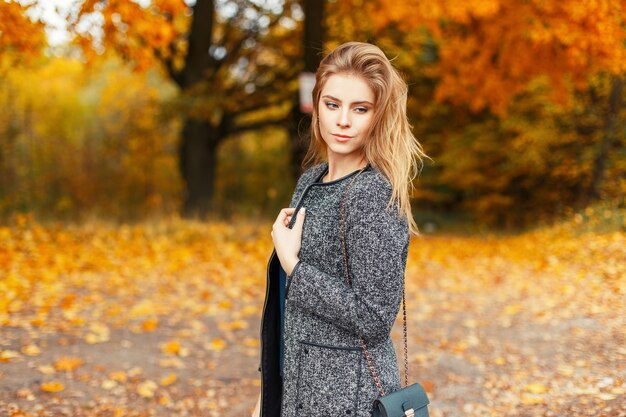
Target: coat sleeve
[{"x": 377, "y": 242}]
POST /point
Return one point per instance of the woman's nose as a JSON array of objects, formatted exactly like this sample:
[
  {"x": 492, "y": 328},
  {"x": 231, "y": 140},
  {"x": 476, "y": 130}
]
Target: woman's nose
[{"x": 344, "y": 119}]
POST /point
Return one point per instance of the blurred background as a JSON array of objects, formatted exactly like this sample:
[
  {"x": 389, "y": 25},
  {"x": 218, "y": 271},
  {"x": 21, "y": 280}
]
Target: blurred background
[
  {"x": 146, "y": 147},
  {"x": 127, "y": 109}
]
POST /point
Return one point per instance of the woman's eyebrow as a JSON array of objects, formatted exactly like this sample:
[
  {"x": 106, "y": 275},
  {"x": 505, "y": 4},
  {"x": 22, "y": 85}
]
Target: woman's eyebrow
[{"x": 355, "y": 102}]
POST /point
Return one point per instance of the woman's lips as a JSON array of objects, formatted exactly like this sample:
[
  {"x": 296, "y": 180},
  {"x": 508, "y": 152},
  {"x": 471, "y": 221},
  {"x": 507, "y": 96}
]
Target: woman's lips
[{"x": 342, "y": 138}]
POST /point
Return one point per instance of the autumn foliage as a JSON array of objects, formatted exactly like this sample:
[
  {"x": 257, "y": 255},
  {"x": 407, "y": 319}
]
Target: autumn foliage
[
  {"x": 490, "y": 50},
  {"x": 519, "y": 103},
  {"x": 20, "y": 37},
  {"x": 162, "y": 317},
  {"x": 143, "y": 35}
]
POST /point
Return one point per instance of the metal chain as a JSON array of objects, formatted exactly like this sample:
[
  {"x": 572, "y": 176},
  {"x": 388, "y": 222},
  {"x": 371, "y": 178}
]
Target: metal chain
[{"x": 365, "y": 351}]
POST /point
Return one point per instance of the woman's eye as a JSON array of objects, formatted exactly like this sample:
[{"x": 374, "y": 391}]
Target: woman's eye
[
  {"x": 361, "y": 110},
  {"x": 331, "y": 105}
]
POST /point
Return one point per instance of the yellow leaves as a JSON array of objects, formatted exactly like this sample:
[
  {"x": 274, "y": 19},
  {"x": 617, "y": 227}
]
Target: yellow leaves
[
  {"x": 173, "y": 347},
  {"x": 52, "y": 386},
  {"x": 7, "y": 355},
  {"x": 251, "y": 342},
  {"x": 251, "y": 310},
  {"x": 512, "y": 310},
  {"x": 119, "y": 376},
  {"x": 67, "y": 363},
  {"x": 480, "y": 285},
  {"x": 147, "y": 388},
  {"x": 134, "y": 371},
  {"x": 533, "y": 394},
  {"x": 108, "y": 384},
  {"x": 536, "y": 388},
  {"x": 169, "y": 379},
  {"x": 31, "y": 350},
  {"x": 25, "y": 393},
  {"x": 46, "y": 369},
  {"x": 233, "y": 325},
  {"x": 143, "y": 308},
  {"x": 171, "y": 363},
  {"x": 99, "y": 333},
  {"x": 532, "y": 399},
  {"x": 500, "y": 360},
  {"x": 217, "y": 344}
]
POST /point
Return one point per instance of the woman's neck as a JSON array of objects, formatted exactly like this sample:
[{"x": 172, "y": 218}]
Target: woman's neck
[{"x": 339, "y": 169}]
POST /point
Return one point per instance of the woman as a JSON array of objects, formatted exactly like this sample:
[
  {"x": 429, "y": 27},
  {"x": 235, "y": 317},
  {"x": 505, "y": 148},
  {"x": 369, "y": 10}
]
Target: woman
[{"x": 312, "y": 362}]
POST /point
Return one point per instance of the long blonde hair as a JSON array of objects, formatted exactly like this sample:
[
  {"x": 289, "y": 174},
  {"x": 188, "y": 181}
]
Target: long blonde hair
[{"x": 391, "y": 146}]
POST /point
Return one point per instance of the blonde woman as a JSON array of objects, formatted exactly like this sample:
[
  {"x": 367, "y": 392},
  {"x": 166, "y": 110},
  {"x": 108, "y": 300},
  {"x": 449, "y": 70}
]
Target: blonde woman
[{"x": 363, "y": 157}]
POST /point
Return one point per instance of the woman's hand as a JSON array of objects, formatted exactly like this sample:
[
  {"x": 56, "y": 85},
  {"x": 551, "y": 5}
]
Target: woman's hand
[
  {"x": 287, "y": 241},
  {"x": 257, "y": 408}
]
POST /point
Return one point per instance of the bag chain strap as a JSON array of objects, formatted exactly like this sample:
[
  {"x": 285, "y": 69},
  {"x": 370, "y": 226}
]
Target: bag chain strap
[{"x": 367, "y": 355}]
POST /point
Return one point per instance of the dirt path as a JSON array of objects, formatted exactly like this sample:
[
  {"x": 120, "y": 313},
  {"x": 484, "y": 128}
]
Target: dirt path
[
  {"x": 492, "y": 333},
  {"x": 473, "y": 360}
]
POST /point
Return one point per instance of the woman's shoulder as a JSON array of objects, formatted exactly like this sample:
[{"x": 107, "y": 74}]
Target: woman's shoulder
[
  {"x": 311, "y": 173},
  {"x": 307, "y": 177},
  {"x": 372, "y": 185},
  {"x": 371, "y": 193},
  {"x": 369, "y": 202}
]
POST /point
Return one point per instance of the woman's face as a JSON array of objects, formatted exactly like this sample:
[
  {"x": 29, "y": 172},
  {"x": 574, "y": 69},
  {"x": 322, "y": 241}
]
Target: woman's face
[{"x": 346, "y": 111}]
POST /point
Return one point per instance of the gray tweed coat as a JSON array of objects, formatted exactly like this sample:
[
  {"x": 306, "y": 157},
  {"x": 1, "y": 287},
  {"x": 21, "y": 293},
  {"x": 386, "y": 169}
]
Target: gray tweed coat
[{"x": 324, "y": 372}]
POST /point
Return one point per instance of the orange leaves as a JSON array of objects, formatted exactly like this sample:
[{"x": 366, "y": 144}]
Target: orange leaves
[
  {"x": 150, "y": 325},
  {"x": 52, "y": 386},
  {"x": 217, "y": 344},
  {"x": 20, "y": 37},
  {"x": 143, "y": 35},
  {"x": 521, "y": 322},
  {"x": 119, "y": 376},
  {"x": 233, "y": 325},
  {"x": 173, "y": 347},
  {"x": 490, "y": 50},
  {"x": 169, "y": 379},
  {"x": 68, "y": 364}
]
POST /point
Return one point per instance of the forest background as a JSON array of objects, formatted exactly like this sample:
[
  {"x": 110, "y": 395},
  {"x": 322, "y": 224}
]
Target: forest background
[
  {"x": 147, "y": 145},
  {"x": 518, "y": 105}
]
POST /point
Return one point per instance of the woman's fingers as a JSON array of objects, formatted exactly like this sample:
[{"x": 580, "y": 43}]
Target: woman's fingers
[{"x": 284, "y": 216}]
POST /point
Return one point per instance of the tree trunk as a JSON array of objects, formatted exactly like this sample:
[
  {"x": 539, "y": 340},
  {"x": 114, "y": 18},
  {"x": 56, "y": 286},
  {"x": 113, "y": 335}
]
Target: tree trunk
[
  {"x": 198, "y": 147},
  {"x": 312, "y": 46},
  {"x": 198, "y": 162},
  {"x": 608, "y": 136}
]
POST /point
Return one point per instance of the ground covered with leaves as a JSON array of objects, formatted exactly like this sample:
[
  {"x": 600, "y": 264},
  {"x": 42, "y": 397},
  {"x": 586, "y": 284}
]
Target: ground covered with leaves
[{"x": 162, "y": 318}]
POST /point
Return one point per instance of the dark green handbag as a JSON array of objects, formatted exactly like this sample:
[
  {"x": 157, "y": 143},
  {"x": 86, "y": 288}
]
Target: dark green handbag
[{"x": 410, "y": 401}]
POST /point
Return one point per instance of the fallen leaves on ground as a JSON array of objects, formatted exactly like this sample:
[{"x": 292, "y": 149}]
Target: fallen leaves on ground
[{"x": 162, "y": 317}]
